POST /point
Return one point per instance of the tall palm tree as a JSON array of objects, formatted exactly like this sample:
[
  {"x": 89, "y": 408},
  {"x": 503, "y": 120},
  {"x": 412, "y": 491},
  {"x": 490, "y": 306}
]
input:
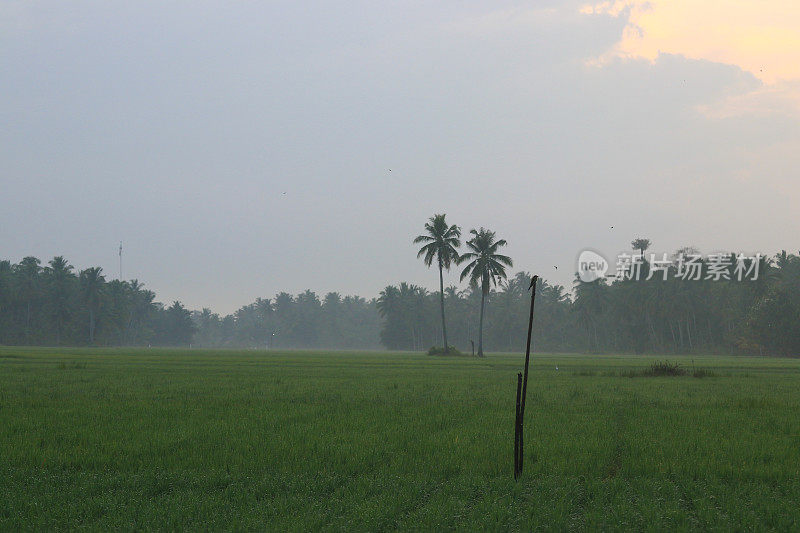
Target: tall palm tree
[
  {"x": 590, "y": 305},
  {"x": 92, "y": 282},
  {"x": 28, "y": 271},
  {"x": 441, "y": 243},
  {"x": 141, "y": 307},
  {"x": 485, "y": 265},
  {"x": 509, "y": 309},
  {"x": 60, "y": 279},
  {"x": 641, "y": 245},
  {"x": 6, "y": 284}
]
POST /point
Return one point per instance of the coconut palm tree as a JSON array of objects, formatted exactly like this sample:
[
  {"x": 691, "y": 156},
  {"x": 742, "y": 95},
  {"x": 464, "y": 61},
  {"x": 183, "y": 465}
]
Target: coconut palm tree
[
  {"x": 28, "y": 274},
  {"x": 590, "y": 305},
  {"x": 6, "y": 285},
  {"x": 92, "y": 282},
  {"x": 441, "y": 242},
  {"x": 484, "y": 265},
  {"x": 60, "y": 278},
  {"x": 641, "y": 245},
  {"x": 141, "y": 308}
]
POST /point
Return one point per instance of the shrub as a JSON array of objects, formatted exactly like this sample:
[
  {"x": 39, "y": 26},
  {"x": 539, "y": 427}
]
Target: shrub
[
  {"x": 665, "y": 368},
  {"x": 661, "y": 369}
]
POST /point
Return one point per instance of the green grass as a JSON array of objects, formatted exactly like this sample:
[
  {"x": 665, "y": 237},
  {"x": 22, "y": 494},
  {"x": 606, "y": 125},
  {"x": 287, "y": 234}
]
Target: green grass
[{"x": 169, "y": 439}]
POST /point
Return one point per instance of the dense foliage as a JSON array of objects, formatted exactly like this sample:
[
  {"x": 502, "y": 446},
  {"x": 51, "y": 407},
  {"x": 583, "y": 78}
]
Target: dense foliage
[
  {"x": 410, "y": 312},
  {"x": 55, "y": 305},
  {"x": 286, "y": 321},
  {"x": 760, "y": 316}
]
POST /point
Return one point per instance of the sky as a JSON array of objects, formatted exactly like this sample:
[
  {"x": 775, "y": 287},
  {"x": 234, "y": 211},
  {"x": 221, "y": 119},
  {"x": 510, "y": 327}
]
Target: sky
[{"x": 239, "y": 149}]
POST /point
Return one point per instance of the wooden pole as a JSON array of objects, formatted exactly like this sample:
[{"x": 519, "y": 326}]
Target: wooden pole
[
  {"x": 528, "y": 347},
  {"x": 518, "y": 434},
  {"x": 516, "y": 426}
]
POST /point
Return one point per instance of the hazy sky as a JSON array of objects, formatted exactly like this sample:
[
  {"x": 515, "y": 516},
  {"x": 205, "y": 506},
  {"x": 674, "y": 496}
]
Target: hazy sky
[{"x": 177, "y": 127}]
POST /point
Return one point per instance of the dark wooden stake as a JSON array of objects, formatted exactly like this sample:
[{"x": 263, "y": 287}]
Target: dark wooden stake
[
  {"x": 518, "y": 432},
  {"x": 516, "y": 426}
]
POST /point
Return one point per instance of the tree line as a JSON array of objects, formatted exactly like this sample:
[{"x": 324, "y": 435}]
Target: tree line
[
  {"x": 55, "y": 304},
  {"x": 411, "y": 316},
  {"x": 713, "y": 310},
  {"x": 288, "y": 321},
  {"x": 670, "y": 314}
]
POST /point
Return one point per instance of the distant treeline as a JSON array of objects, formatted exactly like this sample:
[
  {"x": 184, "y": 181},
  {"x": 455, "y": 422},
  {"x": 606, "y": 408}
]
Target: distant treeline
[
  {"x": 659, "y": 315},
  {"x": 286, "y": 321},
  {"x": 410, "y": 317},
  {"x": 54, "y": 304}
]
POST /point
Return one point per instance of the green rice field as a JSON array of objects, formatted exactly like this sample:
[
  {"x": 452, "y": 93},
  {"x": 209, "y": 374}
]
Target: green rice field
[{"x": 253, "y": 440}]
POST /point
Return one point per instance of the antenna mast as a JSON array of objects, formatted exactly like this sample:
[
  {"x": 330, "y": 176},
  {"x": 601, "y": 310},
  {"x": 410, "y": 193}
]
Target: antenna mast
[{"x": 120, "y": 260}]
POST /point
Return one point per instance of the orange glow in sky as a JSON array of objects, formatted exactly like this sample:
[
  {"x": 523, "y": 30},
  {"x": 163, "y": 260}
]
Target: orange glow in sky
[{"x": 760, "y": 37}]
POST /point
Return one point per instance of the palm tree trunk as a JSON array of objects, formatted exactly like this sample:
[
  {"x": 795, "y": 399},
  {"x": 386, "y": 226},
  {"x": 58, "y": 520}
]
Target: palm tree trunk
[
  {"x": 441, "y": 301},
  {"x": 480, "y": 326},
  {"x": 28, "y": 322},
  {"x": 674, "y": 340},
  {"x": 91, "y": 326},
  {"x": 689, "y": 334},
  {"x": 653, "y": 337},
  {"x": 588, "y": 334},
  {"x": 128, "y": 328}
]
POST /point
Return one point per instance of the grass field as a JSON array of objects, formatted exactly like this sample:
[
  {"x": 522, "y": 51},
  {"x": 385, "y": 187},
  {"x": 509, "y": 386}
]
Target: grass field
[{"x": 168, "y": 439}]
